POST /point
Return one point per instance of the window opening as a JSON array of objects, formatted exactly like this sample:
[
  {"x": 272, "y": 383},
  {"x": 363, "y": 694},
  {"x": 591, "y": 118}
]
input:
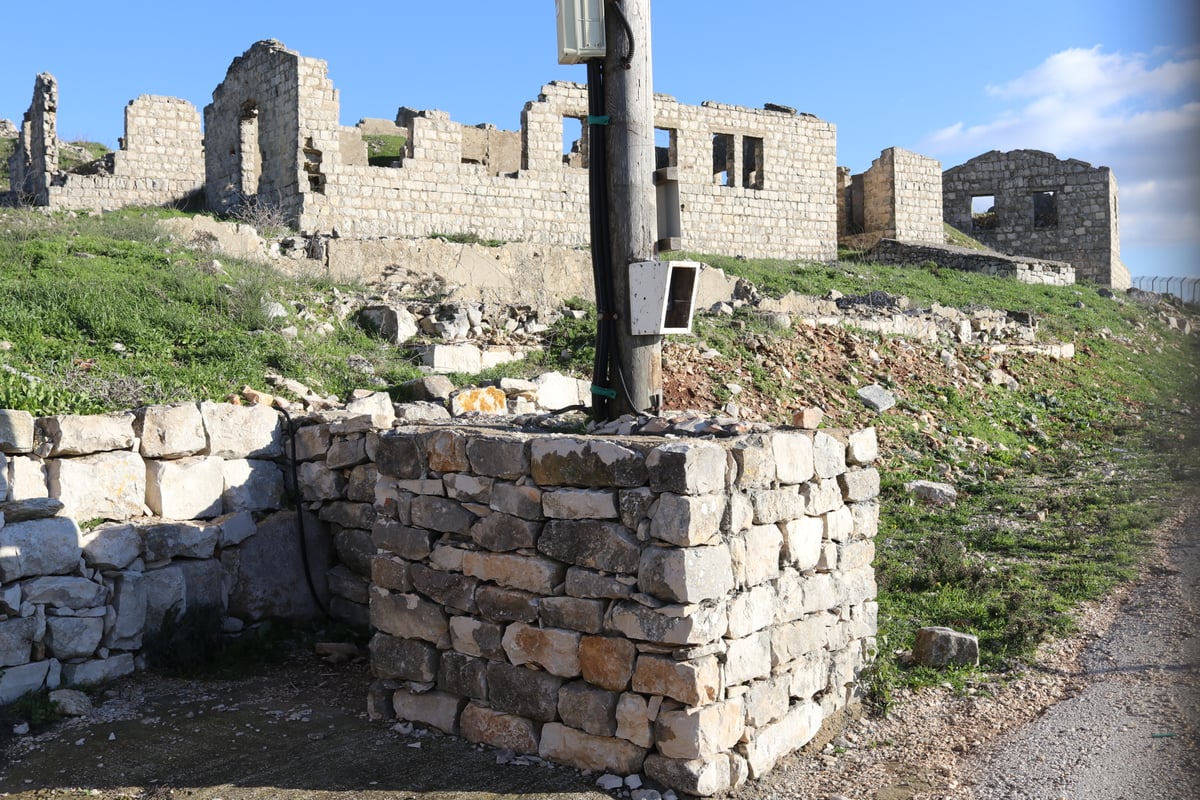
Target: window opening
[
  {"x": 1045, "y": 210},
  {"x": 249, "y": 154},
  {"x": 723, "y": 172},
  {"x": 666, "y": 148},
  {"x": 752, "y": 162},
  {"x": 574, "y": 143},
  {"x": 312, "y": 166},
  {"x": 983, "y": 212}
]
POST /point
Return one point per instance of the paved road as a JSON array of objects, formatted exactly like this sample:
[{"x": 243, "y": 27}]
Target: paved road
[{"x": 1133, "y": 732}]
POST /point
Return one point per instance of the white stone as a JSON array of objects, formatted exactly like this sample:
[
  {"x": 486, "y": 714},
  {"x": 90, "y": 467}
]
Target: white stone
[
  {"x": 111, "y": 546},
  {"x": 235, "y": 528},
  {"x": 29, "y": 478},
  {"x": 688, "y": 520},
  {"x": 829, "y": 455},
  {"x": 77, "y": 435},
  {"x": 687, "y": 575},
  {"x": 447, "y": 358},
  {"x": 802, "y": 542},
  {"x": 555, "y": 391},
  {"x": 186, "y": 488},
  {"x": 100, "y": 670},
  {"x": 171, "y": 431},
  {"x": 746, "y": 659},
  {"x": 378, "y": 404},
  {"x": 697, "y": 732},
  {"x": 251, "y": 485},
  {"x": 105, "y": 486},
  {"x": 862, "y": 447},
  {"x": 18, "y": 681},
  {"x": 580, "y": 504},
  {"x": 751, "y": 611},
  {"x": 16, "y": 431},
  {"x": 73, "y": 637},
  {"x": 38, "y": 547},
  {"x": 166, "y": 540},
  {"x": 773, "y": 742},
  {"x": 633, "y": 721},
  {"x": 129, "y": 606},
  {"x": 237, "y": 432},
  {"x": 566, "y": 745},
  {"x": 793, "y": 453},
  {"x": 63, "y": 591}
]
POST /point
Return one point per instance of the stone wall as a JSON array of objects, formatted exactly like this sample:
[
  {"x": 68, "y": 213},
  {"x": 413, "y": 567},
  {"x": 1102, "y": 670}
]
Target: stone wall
[
  {"x": 1022, "y": 268},
  {"x": 35, "y": 158},
  {"x": 899, "y": 197},
  {"x": 1040, "y": 206},
  {"x": 180, "y": 507},
  {"x": 686, "y": 608}
]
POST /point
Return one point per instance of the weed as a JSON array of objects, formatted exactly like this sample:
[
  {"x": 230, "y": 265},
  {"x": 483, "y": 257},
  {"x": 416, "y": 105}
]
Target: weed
[
  {"x": 35, "y": 708},
  {"x": 467, "y": 238}
]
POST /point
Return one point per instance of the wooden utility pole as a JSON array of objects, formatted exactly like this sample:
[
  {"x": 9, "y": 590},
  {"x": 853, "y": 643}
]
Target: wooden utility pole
[{"x": 637, "y": 360}]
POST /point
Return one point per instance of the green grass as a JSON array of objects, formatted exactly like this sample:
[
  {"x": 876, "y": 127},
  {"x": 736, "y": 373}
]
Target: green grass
[
  {"x": 6, "y": 149},
  {"x": 68, "y": 160},
  {"x": 382, "y": 150}
]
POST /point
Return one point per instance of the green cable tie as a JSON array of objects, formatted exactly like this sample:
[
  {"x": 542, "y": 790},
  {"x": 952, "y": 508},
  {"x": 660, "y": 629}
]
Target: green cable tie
[
  {"x": 611, "y": 394},
  {"x": 602, "y": 120}
]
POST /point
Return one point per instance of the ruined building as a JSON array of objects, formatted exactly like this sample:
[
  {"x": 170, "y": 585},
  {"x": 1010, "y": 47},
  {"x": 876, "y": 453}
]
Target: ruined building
[
  {"x": 1032, "y": 203},
  {"x": 899, "y": 197}
]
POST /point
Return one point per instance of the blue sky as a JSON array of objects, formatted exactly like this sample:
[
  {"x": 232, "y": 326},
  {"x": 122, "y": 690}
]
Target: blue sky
[{"x": 1112, "y": 83}]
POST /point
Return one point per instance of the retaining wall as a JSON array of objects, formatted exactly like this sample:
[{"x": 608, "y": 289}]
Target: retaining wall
[{"x": 1023, "y": 268}]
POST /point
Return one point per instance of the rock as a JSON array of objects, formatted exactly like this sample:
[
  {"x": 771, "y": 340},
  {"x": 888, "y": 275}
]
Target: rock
[
  {"x": 500, "y": 532},
  {"x": 567, "y": 745},
  {"x": 699, "y": 732},
  {"x": 408, "y": 616},
  {"x": 607, "y": 662},
  {"x": 179, "y": 540},
  {"x": 101, "y": 670},
  {"x": 688, "y": 521},
  {"x": 20, "y": 680},
  {"x": 808, "y": 418},
  {"x": 876, "y": 398},
  {"x": 774, "y": 741},
  {"x": 266, "y": 572},
  {"x": 588, "y": 709},
  {"x": 105, "y": 486},
  {"x": 429, "y": 388},
  {"x": 580, "y": 504},
  {"x": 403, "y": 659},
  {"x": 374, "y": 404},
  {"x": 170, "y": 431},
  {"x": 939, "y": 647},
  {"x": 687, "y": 575},
  {"x": 78, "y": 435},
  {"x": 447, "y": 358},
  {"x": 556, "y": 391},
  {"x": 422, "y": 411},
  {"x": 552, "y": 649},
  {"x": 526, "y": 573},
  {"x": 669, "y": 625},
  {"x": 16, "y": 431},
  {"x": 129, "y": 607},
  {"x": 392, "y": 323},
  {"x": 525, "y": 692},
  {"x": 937, "y": 494},
  {"x": 240, "y": 432},
  {"x": 687, "y": 468},
  {"x": 703, "y": 777},
  {"x": 64, "y": 592},
  {"x": 111, "y": 546},
  {"x": 585, "y": 463},
  {"x": 185, "y": 488},
  {"x": 435, "y": 709},
  {"x": 793, "y": 456},
  {"x": 606, "y": 546},
  {"x": 251, "y": 485},
  {"x": 31, "y": 508},
  {"x": 498, "y": 729},
  {"x": 16, "y": 639},
  {"x": 73, "y": 637},
  {"x": 38, "y": 547},
  {"x": 695, "y": 682}
]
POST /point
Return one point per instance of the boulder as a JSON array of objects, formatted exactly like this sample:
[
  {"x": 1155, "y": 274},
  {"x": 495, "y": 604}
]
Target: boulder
[{"x": 938, "y": 647}]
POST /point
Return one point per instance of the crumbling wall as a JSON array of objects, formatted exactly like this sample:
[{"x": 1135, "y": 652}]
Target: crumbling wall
[
  {"x": 899, "y": 197},
  {"x": 1040, "y": 206},
  {"x": 35, "y": 158}
]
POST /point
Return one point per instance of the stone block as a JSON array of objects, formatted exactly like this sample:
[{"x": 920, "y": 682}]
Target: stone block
[
  {"x": 38, "y": 547},
  {"x": 793, "y": 452},
  {"x": 346, "y": 451},
  {"x": 414, "y": 544},
  {"x": 468, "y": 488},
  {"x": 572, "y": 613},
  {"x": 186, "y": 488},
  {"x": 448, "y": 589},
  {"x": 498, "y": 729},
  {"x": 866, "y": 519},
  {"x": 794, "y": 640},
  {"x": 319, "y": 482},
  {"x": 354, "y": 549},
  {"x": 774, "y": 741},
  {"x": 555, "y": 391},
  {"x": 408, "y": 616},
  {"x": 932, "y": 492},
  {"x": 501, "y": 532},
  {"x": 763, "y": 543},
  {"x": 311, "y": 442},
  {"x": 821, "y": 496},
  {"x": 448, "y": 358},
  {"x": 754, "y": 458},
  {"x": 242, "y": 432},
  {"x": 580, "y": 504},
  {"x": 16, "y": 431},
  {"x": 32, "y": 508},
  {"x": 98, "y": 670},
  {"x": 447, "y": 451},
  {"x": 179, "y": 540},
  {"x": 16, "y": 640},
  {"x": 606, "y": 546},
  {"x": 389, "y": 572},
  {"x": 475, "y": 638},
  {"x": 525, "y": 692},
  {"x": 435, "y": 709},
  {"x": 592, "y": 463},
  {"x": 463, "y": 675},
  {"x": 855, "y": 555},
  {"x": 399, "y": 456},
  {"x": 64, "y": 592},
  {"x": 377, "y": 405},
  {"x": 802, "y": 539},
  {"x": 403, "y": 659},
  {"x": 498, "y": 457},
  {"x": 688, "y": 520},
  {"x": 498, "y": 604},
  {"x": 938, "y": 647},
  {"x": 566, "y": 745},
  {"x": 129, "y": 608},
  {"x": 687, "y": 575},
  {"x": 235, "y": 528},
  {"x": 699, "y": 732},
  {"x": 591, "y": 584},
  {"x": 345, "y": 583},
  {"x": 829, "y": 455},
  {"x": 702, "y": 777},
  {"x": 687, "y": 468},
  {"x": 670, "y": 625},
  {"x": 777, "y": 505},
  {"x": 588, "y": 709},
  {"x": 748, "y": 658},
  {"x": 752, "y": 610},
  {"x": 79, "y": 435},
  {"x": 606, "y": 661},
  {"x": 488, "y": 400},
  {"x": 527, "y": 573},
  {"x": 252, "y": 485},
  {"x": 20, "y": 680},
  {"x": 862, "y": 447},
  {"x": 694, "y": 682},
  {"x": 441, "y": 514},
  {"x": 767, "y": 701},
  {"x": 553, "y": 649},
  {"x": 73, "y": 637},
  {"x": 170, "y": 431},
  {"x": 105, "y": 485},
  {"x": 524, "y": 502},
  {"x": 29, "y": 479}
]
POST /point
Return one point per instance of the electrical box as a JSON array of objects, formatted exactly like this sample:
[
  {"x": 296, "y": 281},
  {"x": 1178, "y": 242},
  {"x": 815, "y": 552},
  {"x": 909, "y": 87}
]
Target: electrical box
[
  {"x": 580, "y": 30},
  {"x": 662, "y": 296}
]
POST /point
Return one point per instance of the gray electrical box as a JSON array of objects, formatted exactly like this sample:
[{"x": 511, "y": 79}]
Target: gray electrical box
[
  {"x": 662, "y": 296},
  {"x": 580, "y": 30}
]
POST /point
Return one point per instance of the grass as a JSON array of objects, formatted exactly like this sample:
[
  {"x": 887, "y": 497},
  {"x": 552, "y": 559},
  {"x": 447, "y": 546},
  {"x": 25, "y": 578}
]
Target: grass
[
  {"x": 383, "y": 150},
  {"x": 6, "y": 149}
]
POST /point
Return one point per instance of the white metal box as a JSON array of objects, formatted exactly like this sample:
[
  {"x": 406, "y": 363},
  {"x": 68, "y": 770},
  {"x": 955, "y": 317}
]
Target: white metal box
[
  {"x": 662, "y": 296},
  {"x": 580, "y": 30}
]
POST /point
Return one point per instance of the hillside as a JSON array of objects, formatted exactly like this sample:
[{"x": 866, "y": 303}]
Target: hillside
[{"x": 1061, "y": 466}]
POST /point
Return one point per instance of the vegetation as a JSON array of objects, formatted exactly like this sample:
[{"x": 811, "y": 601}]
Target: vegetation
[
  {"x": 467, "y": 238},
  {"x": 6, "y": 149},
  {"x": 383, "y": 151}
]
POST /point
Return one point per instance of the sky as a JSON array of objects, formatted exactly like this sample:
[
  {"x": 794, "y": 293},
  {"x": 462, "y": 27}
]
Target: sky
[{"x": 1108, "y": 82}]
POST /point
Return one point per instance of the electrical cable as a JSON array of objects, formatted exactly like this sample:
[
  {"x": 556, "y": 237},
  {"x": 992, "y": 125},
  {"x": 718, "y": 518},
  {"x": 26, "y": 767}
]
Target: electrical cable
[
  {"x": 598, "y": 216},
  {"x": 627, "y": 61},
  {"x": 312, "y": 588}
]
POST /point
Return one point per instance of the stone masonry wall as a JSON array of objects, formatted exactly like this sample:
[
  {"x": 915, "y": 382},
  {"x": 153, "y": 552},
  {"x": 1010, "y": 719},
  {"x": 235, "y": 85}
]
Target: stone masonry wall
[
  {"x": 188, "y": 500},
  {"x": 1023, "y": 269},
  {"x": 688, "y": 608},
  {"x": 35, "y": 158},
  {"x": 1044, "y": 207},
  {"x": 899, "y": 197}
]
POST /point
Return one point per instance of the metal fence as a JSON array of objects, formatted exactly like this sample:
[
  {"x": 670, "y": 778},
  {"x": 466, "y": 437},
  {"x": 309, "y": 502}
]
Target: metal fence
[{"x": 1186, "y": 289}]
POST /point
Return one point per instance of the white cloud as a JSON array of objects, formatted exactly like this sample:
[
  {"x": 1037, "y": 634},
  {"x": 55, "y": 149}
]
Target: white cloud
[{"x": 1138, "y": 114}]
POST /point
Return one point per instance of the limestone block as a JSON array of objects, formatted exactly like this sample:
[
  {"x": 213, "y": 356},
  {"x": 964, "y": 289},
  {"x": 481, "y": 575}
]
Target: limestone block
[
  {"x": 78, "y": 435},
  {"x": 555, "y": 391},
  {"x": 391, "y": 573},
  {"x": 606, "y": 546},
  {"x": 179, "y": 540},
  {"x": 572, "y": 613},
  {"x": 403, "y": 659},
  {"x": 129, "y": 605},
  {"x": 30, "y": 478},
  {"x": 588, "y": 709},
  {"x": 773, "y": 742},
  {"x": 498, "y": 729},
  {"x": 73, "y": 637},
  {"x": 498, "y": 457},
  {"x": 447, "y": 451},
  {"x": 747, "y": 658},
  {"x": 854, "y": 555},
  {"x": 591, "y": 584},
  {"x": 751, "y": 610},
  {"x": 311, "y": 442},
  {"x": 866, "y": 519},
  {"x": 28, "y": 509},
  {"x": 354, "y": 549},
  {"x": 242, "y": 432},
  {"x": 566, "y": 745},
  {"x": 319, "y": 482},
  {"x": 16, "y": 431},
  {"x": 763, "y": 543},
  {"x": 797, "y": 639},
  {"x": 435, "y": 709},
  {"x": 399, "y": 456},
  {"x": 64, "y": 592},
  {"x": 468, "y": 488},
  {"x": 377, "y": 405},
  {"x": 170, "y": 431},
  {"x": 838, "y": 525},
  {"x": 414, "y": 544},
  {"x": 586, "y": 463},
  {"x": 794, "y": 458},
  {"x": 933, "y": 493},
  {"x": 441, "y": 514},
  {"x": 235, "y": 528},
  {"x": 251, "y": 485},
  {"x": 859, "y": 485},
  {"x": 345, "y": 583},
  {"x": 802, "y": 540},
  {"x": 821, "y": 496},
  {"x": 38, "y": 547},
  {"x": 702, "y": 777},
  {"x": 688, "y": 520},
  {"x": 767, "y": 701},
  {"x": 672, "y": 624},
  {"x": 449, "y": 589},
  {"x": 829, "y": 455},
  {"x": 111, "y": 546},
  {"x": 393, "y": 323},
  {"x": 266, "y": 572},
  {"x": 524, "y": 502},
  {"x": 938, "y": 647},
  {"x": 501, "y": 532},
  {"x": 698, "y": 732},
  {"x": 527, "y": 573},
  {"x": 448, "y": 358},
  {"x": 635, "y": 505},
  {"x": 499, "y": 604},
  {"x": 777, "y": 505},
  {"x": 105, "y": 485},
  {"x": 694, "y": 682},
  {"x": 186, "y": 488},
  {"x": 694, "y": 467},
  {"x": 553, "y": 649},
  {"x": 475, "y": 638},
  {"x": 16, "y": 640},
  {"x": 462, "y": 675},
  {"x": 862, "y": 447},
  {"x": 525, "y": 692},
  {"x": 408, "y": 616},
  {"x": 755, "y": 460},
  {"x": 687, "y": 575},
  {"x": 20, "y": 680},
  {"x": 607, "y": 662},
  {"x": 580, "y": 504}
]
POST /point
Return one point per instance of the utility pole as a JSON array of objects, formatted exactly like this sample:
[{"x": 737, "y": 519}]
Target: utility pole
[{"x": 636, "y": 361}]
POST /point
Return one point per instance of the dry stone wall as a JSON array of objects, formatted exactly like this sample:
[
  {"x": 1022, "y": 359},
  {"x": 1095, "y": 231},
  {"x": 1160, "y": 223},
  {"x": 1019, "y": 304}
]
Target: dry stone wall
[
  {"x": 1030, "y": 203},
  {"x": 899, "y": 197},
  {"x": 1021, "y": 268}
]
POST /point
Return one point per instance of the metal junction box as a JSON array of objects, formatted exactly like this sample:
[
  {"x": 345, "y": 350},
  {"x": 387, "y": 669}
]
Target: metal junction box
[
  {"x": 580, "y": 30},
  {"x": 662, "y": 296}
]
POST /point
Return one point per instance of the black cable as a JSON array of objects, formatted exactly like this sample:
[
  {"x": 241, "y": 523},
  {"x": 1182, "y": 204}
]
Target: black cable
[
  {"x": 627, "y": 61},
  {"x": 598, "y": 215},
  {"x": 312, "y": 588}
]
